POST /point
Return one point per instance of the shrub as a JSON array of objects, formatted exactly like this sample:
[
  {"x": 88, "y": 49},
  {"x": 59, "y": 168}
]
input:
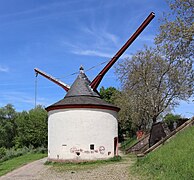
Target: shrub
[
  {"x": 40, "y": 150},
  {"x": 6, "y": 154},
  {"x": 115, "y": 158},
  {"x": 2, "y": 152}
]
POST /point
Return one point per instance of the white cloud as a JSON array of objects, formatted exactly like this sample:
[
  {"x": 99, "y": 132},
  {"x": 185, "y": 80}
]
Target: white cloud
[
  {"x": 91, "y": 53},
  {"x": 101, "y": 36},
  {"x": 4, "y": 69},
  {"x": 95, "y": 40},
  {"x": 98, "y": 53},
  {"x": 17, "y": 98},
  {"x": 100, "y": 42},
  {"x": 46, "y": 7}
]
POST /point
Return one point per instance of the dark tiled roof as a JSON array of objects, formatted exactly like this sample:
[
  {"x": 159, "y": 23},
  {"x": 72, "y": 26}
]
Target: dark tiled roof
[
  {"x": 82, "y": 95},
  {"x": 81, "y": 87},
  {"x": 83, "y": 100}
]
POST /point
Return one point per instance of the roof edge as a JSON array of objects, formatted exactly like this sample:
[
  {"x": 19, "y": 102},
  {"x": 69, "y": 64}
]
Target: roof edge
[{"x": 83, "y": 106}]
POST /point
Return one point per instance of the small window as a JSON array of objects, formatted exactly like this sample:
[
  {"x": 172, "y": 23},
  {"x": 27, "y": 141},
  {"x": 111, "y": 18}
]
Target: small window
[{"x": 91, "y": 146}]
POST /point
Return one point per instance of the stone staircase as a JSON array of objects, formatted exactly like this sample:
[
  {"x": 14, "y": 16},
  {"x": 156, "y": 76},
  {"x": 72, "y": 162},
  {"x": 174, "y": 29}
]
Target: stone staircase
[{"x": 141, "y": 148}]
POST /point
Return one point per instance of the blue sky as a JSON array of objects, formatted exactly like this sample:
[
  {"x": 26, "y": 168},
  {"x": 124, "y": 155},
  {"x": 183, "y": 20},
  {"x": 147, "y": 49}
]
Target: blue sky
[{"x": 57, "y": 36}]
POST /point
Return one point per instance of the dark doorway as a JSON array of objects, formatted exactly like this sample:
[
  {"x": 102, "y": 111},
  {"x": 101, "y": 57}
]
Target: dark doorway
[{"x": 116, "y": 146}]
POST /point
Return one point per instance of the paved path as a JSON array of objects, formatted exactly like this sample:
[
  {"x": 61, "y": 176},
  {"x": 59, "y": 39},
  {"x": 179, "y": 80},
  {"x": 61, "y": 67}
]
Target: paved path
[
  {"x": 38, "y": 171},
  {"x": 27, "y": 172}
]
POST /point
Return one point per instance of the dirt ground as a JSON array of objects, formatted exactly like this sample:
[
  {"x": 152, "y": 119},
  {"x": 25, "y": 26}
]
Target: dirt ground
[{"x": 38, "y": 171}]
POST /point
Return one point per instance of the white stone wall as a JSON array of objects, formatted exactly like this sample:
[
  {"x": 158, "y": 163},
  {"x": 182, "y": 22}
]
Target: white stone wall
[{"x": 72, "y": 131}]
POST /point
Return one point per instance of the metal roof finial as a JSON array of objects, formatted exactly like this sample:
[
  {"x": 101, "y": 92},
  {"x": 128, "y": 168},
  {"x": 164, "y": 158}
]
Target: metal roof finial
[{"x": 81, "y": 69}]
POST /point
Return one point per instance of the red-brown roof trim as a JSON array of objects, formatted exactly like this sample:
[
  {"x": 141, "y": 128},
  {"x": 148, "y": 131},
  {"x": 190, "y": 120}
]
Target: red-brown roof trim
[{"x": 51, "y": 108}]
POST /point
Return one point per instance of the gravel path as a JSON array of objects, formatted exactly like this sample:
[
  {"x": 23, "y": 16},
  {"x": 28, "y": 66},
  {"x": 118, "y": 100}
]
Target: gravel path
[{"x": 37, "y": 170}]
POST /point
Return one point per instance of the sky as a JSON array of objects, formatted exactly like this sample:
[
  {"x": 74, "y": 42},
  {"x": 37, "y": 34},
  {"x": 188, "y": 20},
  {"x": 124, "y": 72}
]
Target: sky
[{"x": 58, "y": 36}]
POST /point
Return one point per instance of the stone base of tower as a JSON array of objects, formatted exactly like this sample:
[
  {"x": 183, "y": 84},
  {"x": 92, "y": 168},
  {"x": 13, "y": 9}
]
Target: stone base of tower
[
  {"x": 76, "y": 160},
  {"x": 81, "y": 155},
  {"x": 77, "y": 135}
]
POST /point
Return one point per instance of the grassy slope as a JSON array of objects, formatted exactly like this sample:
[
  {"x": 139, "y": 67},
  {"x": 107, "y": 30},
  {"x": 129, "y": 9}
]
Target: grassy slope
[
  {"x": 128, "y": 143},
  {"x": 17, "y": 162},
  {"x": 174, "y": 160}
]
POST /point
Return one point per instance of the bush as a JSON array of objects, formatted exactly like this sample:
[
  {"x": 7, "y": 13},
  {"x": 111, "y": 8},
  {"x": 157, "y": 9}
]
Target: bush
[
  {"x": 6, "y": 154},
  {"x": 115, "y": 158},
  {"x": 11, "y": 153},
  {"x": 174, "y": 121},
  {"x": 2, "y": 152},
  {"x": 40, "y": 150}
]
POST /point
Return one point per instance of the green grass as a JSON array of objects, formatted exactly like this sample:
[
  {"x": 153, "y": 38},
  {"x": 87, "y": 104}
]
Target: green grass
[
  {"x": 9, "y": 165},
  {"x": 70, "y": 166},
  {"x": 173, "y": 161},
  {"x": 128, "y": 143}
]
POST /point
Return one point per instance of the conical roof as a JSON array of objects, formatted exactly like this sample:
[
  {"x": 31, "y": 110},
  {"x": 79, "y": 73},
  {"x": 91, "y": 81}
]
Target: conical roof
[
  {"x": 81, "y": 86},
  {"x": 81, "y": 95}
]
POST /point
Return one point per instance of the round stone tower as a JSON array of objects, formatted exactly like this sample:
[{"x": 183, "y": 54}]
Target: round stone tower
[{"x": 82, "y": 126}]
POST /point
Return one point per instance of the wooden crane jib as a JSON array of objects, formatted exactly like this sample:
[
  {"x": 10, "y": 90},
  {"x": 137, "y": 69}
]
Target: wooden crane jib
[
  {"x": 56, "y": 81},
  {"x": 94, "y": 84}
]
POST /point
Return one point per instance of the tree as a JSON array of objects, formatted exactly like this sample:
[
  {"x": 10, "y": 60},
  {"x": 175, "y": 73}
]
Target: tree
[
  {"x": 112, "y": 95},
  {"x": 23, "y": 129},
  {"x": 153, "y": 84},
  {"x": 32, "y": 128},
  {"x": 126, "y": 125},
  {"x": 108, "y": 94},
  {"x": 174, "y": 120},
  {"x": 175, "y": 38},
  {"x": 170, "y": 119},
  {"x": 155, "y": 79},
  {"x": 7, "y": 126}
]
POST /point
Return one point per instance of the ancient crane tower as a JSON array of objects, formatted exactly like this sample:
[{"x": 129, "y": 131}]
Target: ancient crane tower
[{"x": 82, "y": 126}]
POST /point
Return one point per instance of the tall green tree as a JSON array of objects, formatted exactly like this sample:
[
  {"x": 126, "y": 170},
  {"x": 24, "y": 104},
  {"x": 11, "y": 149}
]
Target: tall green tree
[
  {"x": 175, "y": 38},
  {"x": 153, "y": 84},
  {"x": 113, "y": 96},
  {"x": 127, "y": 127},
  {"x": 32, "y": 128},
  {"x": 108, "y": 94},
  {"x": 170, "y": 118},
  {"x": 8, "y": 126}
]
